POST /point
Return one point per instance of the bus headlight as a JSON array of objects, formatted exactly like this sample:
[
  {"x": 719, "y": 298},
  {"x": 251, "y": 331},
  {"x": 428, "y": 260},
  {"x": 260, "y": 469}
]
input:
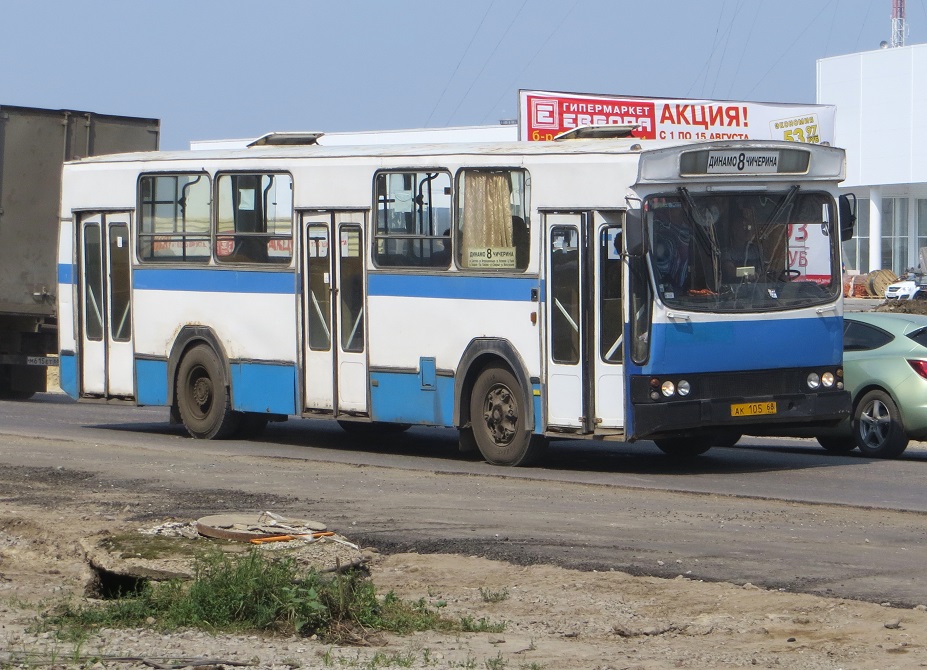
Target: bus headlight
[
  {"x": 668, "y": 389},
  {"x": 827, "y": 379},
  {"x": 814, "y": 381},
  {"x": 683, "y": 388}
]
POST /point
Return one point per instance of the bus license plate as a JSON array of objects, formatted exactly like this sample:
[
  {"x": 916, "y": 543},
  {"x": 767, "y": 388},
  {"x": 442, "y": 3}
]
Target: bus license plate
[{"x": 753, "y": 409}]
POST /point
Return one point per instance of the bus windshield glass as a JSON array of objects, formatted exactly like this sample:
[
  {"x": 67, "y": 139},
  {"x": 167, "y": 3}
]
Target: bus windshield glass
[{"x": 743, "y": 252}]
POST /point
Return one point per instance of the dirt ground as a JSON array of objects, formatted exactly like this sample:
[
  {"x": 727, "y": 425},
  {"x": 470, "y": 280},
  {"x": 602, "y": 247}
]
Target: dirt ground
[
  {"x": 553, "y": 617},
  {"x": 903, "y": 306}
]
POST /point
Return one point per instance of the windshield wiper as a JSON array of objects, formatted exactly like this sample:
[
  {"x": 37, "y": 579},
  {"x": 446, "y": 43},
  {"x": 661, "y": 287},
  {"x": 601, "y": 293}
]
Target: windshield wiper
[
  {"x": 704, "y": 231},
  {"x": 767, "y": 225}
]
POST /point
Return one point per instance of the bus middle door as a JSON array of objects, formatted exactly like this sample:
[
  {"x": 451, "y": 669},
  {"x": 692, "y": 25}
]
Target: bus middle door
[
  {"x": 334, "y": 332},
  {"x": 106, "y": 345},
  {"x": 585, "y": 375}
]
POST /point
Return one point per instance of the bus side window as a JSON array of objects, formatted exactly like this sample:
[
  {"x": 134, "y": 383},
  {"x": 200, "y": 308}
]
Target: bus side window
[
  {"x": 255, "y": 219},
  {"x": 413, "y": 219},
  {"x": 174, "y": 215},
  {"x": 492, "y": 220}
]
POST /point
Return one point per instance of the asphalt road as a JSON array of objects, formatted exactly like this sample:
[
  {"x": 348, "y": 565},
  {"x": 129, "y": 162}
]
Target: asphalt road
[{"x": 774, "y": 512}]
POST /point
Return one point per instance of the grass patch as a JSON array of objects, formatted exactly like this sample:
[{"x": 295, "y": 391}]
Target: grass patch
[
  {"x": 490, "y": 596},
  {"x": 253, "y": 593}
]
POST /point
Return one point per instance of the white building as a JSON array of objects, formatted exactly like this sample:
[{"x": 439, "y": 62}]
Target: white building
[{"x": 881, "y": 99}]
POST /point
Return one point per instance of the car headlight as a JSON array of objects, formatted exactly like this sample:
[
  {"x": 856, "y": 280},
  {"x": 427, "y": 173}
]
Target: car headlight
[
  {"x": 813, "y": 381},
  {"x": 827, "y": 379},
  {"x": 668, "y": 389}
]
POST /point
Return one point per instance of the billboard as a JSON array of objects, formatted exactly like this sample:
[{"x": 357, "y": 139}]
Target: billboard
[{"x": 542, "y": 115}]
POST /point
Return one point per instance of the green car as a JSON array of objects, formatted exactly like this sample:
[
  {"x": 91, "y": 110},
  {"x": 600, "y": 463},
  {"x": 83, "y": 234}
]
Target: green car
[{"x": 885, "y": 371}]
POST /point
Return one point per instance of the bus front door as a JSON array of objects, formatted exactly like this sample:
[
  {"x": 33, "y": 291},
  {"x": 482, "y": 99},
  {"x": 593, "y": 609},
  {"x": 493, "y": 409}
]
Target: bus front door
[
  {"x": 333, "y": 305},
  {"x": 107, "y": 349},
  {"x": 585, "y": 375}
]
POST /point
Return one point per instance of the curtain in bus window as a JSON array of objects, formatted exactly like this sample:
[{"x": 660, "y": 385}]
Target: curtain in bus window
[{"x": 487, "y": 221}]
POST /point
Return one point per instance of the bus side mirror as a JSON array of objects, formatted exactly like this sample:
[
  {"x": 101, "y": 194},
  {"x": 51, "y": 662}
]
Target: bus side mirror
[
  {"x": 634, "y": 232},
  {"x": 847, "y": 216}
]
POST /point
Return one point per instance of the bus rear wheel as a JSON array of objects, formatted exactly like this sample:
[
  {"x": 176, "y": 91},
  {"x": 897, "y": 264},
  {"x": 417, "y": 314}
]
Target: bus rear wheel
[
  {"x": 497, "y": 420},
  {"x": 202, "y": 396}
]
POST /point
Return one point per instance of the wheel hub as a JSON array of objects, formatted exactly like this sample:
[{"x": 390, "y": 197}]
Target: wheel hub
[
  {"x": 501, "y": 415},
  {"x": 202, "y": 392}
]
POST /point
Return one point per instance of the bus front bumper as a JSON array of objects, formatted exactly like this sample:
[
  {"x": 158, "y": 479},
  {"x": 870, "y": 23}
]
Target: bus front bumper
[{"x": 791, "y": 412}]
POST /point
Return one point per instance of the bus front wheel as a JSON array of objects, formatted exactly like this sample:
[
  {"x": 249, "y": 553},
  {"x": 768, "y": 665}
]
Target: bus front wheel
[
  {"x": 497, "y": 420},
  {"x": 202, "y": 396},
  {"x": 683, "y": 446}
]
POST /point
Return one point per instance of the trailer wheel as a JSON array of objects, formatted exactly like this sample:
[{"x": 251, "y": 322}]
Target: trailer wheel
[
  {"x": 202, "y": 396},
  {"x": 497, "y": 419},
  {"x": 7, "y": 392}
]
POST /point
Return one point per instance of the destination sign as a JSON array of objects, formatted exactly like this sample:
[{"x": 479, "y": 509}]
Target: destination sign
[{"x": 734, "y": 161}]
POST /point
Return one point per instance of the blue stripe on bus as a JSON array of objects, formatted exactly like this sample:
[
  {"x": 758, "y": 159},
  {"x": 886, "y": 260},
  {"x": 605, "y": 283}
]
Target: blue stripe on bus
[
  {"x": 264, "y": 387},
  {"x": 740, "y": 344},
  {"x": 450, "y": 285},
  {"x": 402, "y": 398},
  {"x": 65, "y": 273},
  {"x": 151, "y": 382},
  {"x": 67, "y": 373},
  {"x": 214, "y": 280}
]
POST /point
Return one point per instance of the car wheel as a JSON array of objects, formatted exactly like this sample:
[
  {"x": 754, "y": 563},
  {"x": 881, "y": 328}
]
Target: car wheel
[
  {"x": 877, "y": 426},
  {"x": 683, "y": 446},
  {"x": 837, "y": 444}
]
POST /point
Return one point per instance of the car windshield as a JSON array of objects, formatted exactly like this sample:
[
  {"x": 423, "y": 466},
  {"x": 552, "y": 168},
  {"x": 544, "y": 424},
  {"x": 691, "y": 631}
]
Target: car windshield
[{"x": 743, "y": 252}]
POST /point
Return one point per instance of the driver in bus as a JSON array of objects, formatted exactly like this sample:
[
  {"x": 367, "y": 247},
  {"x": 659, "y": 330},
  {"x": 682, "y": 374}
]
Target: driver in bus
[{"x": 742, "y": 260}]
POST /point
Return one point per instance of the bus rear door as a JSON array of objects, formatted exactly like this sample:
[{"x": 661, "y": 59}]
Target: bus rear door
[
  {"x": 333, "y": 305},
  {"x": 107, "y": 349},
  {"x": 585, "y": 375}
]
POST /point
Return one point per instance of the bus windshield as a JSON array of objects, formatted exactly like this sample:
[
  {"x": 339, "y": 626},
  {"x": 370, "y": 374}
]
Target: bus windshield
[{"x": 743, "y": 252}]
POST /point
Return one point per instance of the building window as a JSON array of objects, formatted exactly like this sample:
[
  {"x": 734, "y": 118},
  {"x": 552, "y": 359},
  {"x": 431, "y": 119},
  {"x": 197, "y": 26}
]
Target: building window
[
  {"x": 895, "y": 234},
  {"x": 174, "y": 217},
  {"x": 921, "y": 259},
  {"x": 492, "y": 217},
  {"x": 255, "y": 218},
  {"x": 413, "y": 219},
  {"x": 856, "y": 251}
]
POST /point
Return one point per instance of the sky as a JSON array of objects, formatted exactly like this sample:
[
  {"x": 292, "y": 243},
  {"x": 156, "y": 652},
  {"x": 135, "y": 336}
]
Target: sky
[{"x": 219, "y": 69}]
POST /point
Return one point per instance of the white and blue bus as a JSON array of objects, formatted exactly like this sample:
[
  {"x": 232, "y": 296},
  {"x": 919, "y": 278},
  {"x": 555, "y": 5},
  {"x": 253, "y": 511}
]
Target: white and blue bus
[{"x": 519, "y": 292}]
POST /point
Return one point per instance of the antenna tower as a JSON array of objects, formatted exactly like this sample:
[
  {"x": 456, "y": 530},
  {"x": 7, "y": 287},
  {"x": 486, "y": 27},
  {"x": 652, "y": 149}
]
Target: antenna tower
[{"x": 899, "y": 27}]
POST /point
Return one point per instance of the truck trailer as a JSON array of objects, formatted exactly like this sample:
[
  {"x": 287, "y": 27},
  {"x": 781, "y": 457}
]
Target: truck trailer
[{"x": 34, "y": 143}]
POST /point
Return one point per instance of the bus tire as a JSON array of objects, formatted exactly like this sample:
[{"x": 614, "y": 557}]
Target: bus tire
[
  {"x": 837, "y": 444},
  {"x": 202, "y": 396},
  {"x": 683, "y": 446},
  {"x": 497, "y": 419}
]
